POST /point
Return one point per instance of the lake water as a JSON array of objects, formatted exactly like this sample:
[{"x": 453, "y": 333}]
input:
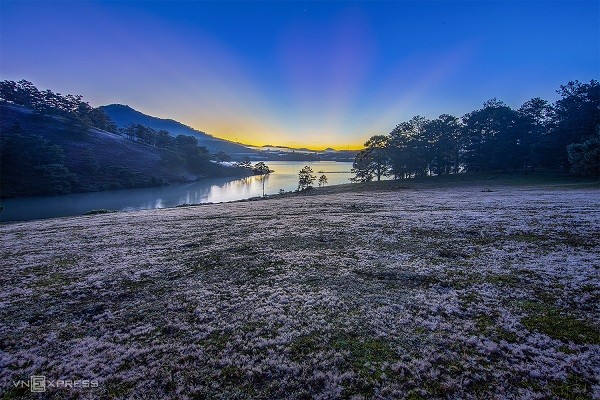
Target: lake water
[{"x": 205, "y": 191}]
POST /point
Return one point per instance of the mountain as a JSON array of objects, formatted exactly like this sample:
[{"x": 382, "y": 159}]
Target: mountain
[{"x": 124, "y": 115}]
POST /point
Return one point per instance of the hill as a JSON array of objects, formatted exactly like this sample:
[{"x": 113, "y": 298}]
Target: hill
[
  {"x": 124, "y": 115},
  {"x": 45, "y": 154}
]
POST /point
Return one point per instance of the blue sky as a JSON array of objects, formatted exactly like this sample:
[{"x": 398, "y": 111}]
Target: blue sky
[{"x": 313, "y": 74}]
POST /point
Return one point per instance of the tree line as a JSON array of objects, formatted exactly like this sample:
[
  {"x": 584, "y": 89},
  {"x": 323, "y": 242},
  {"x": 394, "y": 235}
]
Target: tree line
[
  {"x": 564, "y": 135},
  {"x": 81, "y": 117},
  {"x": 31, "y": 165},
  {"x": 179, "y": 150},
  {"x": 71, "y": 107},
  {"x": 34, "y": 142}
]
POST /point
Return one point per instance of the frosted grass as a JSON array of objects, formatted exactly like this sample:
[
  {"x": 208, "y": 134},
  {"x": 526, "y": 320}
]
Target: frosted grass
[{"x": 406, "y": 294}]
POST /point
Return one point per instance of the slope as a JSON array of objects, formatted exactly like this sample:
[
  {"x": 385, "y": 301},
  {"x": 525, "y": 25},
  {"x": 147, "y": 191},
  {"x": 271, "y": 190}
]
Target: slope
[
  {"x": 124, "y": 115},
  {"x": 85, "y": 161}
]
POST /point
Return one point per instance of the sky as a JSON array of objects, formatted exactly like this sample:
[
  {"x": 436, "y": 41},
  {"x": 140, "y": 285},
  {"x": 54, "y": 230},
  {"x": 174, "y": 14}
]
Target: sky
[{"x": 312, "y": 74}]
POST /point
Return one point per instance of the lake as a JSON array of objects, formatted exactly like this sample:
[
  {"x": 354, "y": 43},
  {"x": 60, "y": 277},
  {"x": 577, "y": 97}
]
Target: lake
[{"x": 213, "y": 190}]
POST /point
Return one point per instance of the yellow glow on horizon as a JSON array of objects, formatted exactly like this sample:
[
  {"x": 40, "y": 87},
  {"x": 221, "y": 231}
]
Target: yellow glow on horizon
[
  {"x": 256, "y": 133},
  {"x": 251, "y": 140}
]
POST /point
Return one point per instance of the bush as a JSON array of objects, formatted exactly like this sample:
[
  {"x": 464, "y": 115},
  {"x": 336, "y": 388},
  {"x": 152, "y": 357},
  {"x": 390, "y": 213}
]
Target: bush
[{"x": 585, "y": 157}]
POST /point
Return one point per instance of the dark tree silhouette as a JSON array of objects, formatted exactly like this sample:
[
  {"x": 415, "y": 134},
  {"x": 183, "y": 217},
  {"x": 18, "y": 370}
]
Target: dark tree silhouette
[
  {"x": 408, "y": 148},
  {"x": 577, "y": 117},
  {"x": 245, "y": 163},
  {"x": 362, "y": 168},
  {"x": 306, "y": 178},
  {"x": 221, "y": 156},
  {"x": 493, "y": 138},
  {"x": 30, "y": 165},
  {"x": 79, "y": 114},
  {"x": 263, "y": 170},
  {"x": 535, "y": 121},
  {"x": 373, "y": 161},
  {"x": 377, "y": 154},
  {"x": 444, "y": 139},
  {"x": 322, "y": 180},
  {"x": 585, "y": 157}
]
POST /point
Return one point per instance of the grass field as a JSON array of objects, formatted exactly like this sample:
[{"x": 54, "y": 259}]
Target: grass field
[{"x": 445, "y": 289}]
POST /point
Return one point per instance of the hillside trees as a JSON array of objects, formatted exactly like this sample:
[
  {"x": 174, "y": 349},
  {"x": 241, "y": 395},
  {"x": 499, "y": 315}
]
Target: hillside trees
[
  {"x": 47, "y": 148},
  {"x": 181, "y": 149},
  {"x": 72, "y": 108},
  {"x": 245, "y": 163},
  {"x": 31, "y": 165},
  {"x": 221, "y": 156}
]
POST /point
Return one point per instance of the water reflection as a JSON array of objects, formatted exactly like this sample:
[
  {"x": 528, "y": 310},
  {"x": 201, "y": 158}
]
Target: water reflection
[{"x": 206, "y": 191}]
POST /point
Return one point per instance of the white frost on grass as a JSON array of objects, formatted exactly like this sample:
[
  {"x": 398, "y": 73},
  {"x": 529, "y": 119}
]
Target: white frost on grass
[{"x": 418, "y": 292}]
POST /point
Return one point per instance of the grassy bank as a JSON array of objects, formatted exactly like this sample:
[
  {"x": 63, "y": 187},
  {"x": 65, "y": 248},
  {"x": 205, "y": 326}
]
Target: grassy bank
[
  {"x": 547, "y": 179},
  {"x": 448, "y": 291}
]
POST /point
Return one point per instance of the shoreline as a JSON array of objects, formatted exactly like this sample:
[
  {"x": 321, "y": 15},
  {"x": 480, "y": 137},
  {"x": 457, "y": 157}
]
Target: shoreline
[{"x": 487, "y": 181}]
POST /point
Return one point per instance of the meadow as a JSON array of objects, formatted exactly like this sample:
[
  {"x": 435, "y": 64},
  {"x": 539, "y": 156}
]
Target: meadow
[{"x": 483, "y": 290}]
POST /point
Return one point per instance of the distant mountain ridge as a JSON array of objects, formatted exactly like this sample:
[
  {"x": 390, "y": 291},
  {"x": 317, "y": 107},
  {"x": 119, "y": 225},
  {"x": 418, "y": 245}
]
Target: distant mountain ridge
[{"x": 124, "y": 115}]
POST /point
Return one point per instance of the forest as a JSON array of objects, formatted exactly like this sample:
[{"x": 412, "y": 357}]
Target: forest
[
  {"x": 564, "y": 135},
  {"x": 57, "y": 144}
]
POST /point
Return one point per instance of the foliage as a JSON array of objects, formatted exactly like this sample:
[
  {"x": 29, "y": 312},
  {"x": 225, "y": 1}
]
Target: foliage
[
  {"x": 71, "y": 107},
  {"x": 221, "y": 156},
  {"x": 322, "y": 180},
  {"x": 245, "y": 163},
  {"x": 493, "y": 138},
  {"x": 407, "y": 148},
  {"x": 373, "y": 161},
  {"x": 577, "y": 117},
  {"x": 585, "y": 157},
  {"x": 47, "y": 148},
  {"x": 376, "y": 155},
  {"x": 362, "y": 168},
  {"x": 444, "y": 135},
  {"x": 263, "y": 170},
  {"x": 306, "y": 178},
  {"x": 31, "y": 165},
  {"x": 181, "y": 150}
]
